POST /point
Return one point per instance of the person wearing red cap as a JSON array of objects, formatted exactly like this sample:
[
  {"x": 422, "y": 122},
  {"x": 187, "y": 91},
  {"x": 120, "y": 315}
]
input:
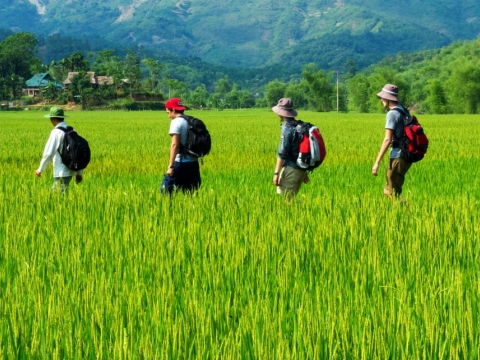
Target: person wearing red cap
[
  {"x": 183, "y": 172},
  {"x": 397, "y": 167}
]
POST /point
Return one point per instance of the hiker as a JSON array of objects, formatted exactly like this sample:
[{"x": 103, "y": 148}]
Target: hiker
[
  {"x": 397, "y": 167},
  {"x": 183, "y": 170},
  {"x": 288, "y": 176},
  {"x": 62, "y": 175}
]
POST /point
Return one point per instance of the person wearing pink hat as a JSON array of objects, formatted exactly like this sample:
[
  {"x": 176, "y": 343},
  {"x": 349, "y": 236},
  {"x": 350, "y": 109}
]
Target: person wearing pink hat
[
  {"x": 397, "y": 167},
  {"x": 183, "y": 172},
  {"x": 288, "y": 176}
]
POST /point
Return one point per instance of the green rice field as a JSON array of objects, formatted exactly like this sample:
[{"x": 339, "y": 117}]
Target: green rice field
[{"x": 115, "y": 270}]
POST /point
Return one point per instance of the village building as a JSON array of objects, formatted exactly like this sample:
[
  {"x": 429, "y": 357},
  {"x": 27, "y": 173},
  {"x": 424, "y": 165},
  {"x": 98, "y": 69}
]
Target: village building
[
  {"x": 34, "y": 85},
  {"x": 95, "y": 81}
]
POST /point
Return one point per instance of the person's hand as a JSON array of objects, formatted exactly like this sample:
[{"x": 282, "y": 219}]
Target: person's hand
[
  {"x": 78, "y": 178},
  {"x": 169, "y": 171},
  {"x": 306, "y": 179},
  {"x": 38, "y": 173},
  {"x": 276, "y": 180},
  {"x": 375, "y": 169}
]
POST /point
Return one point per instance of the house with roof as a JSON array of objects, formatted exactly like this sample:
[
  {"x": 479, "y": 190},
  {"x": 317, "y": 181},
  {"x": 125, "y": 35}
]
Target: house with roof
[
  {"x": 95, "y": 81},
  {"x": 34, "y": 85}
]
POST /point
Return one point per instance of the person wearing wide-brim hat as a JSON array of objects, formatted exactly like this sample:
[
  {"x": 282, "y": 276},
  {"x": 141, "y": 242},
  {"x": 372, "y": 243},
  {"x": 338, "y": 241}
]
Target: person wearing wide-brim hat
[
  {"x": 288, "y": 176},
  {"x": 61, "y": 173},
  {"x": 397, "y": 167}
]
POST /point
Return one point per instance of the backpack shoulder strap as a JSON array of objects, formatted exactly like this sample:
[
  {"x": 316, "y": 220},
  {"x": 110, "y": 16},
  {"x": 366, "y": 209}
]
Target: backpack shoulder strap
[
  {"x": 404, "y": 112},
  {"x": 188, "y": 118},
  {"x": 401, "y": 110},
  {"x": 407, "y": 118},
  {"x": 68, "y": 128}
]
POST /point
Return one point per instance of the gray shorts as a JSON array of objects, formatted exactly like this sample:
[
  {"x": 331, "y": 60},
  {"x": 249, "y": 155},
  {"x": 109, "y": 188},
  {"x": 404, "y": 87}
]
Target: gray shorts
[{"x": 290, "y": 180}]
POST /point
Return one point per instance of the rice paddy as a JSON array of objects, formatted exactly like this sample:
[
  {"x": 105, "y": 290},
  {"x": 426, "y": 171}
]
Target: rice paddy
[{"x": 115, "y": 270}]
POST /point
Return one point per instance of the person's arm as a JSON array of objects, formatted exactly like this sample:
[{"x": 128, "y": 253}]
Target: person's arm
[
  {"x": 282, "y": 154},
  {"x": 278, "y": 168},
  {"x": 51, "y": 147},
  {"x": 174, "y": 149},
  {"x": 383, "y": 149}
]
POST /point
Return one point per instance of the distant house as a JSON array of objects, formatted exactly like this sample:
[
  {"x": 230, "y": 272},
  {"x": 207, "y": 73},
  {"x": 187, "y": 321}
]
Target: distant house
[
  {"x": 95, "y": 81},
  {"x": 38, "y": 81}
]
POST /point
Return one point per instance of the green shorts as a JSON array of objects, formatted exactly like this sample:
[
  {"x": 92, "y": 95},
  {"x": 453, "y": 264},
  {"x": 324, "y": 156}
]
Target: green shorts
[
  {"x": 290, "y": 180},
  {"x": 397, "y": 168}
]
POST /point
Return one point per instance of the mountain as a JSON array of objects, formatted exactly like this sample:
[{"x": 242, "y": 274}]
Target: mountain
[{"x": 247, "y": 33}]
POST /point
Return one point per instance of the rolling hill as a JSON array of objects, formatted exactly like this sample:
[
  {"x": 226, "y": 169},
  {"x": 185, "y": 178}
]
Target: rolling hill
[{"x": 250, "y": 33}]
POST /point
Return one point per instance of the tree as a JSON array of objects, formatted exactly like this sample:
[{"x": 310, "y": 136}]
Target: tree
[
  {"x": 199, "y": 97},
  {"x": 274, "y": 91},
  {"x": 222, "y": 86},
  {"x": 154, "y": 69},
  {"x": 17, "y": 55},
  {"x": 50, "y": 92},
  {"x": 102, "y": 62},
  {"x": 55, "y": 71},
  {"x": 131, "y": 71},
  {"x": 245, "y": 99},
  {"x": 464, "y": 87},
  {"x": 81, "y": 88},
  {"x": 350, "y": 68},
  {"x": 319, "y": 88},
  {"x": 359, "y": 93},
  {"x": 232, "y": 98},
  {"x": 436, "y": 101},
  {"x": 106, "y": 64},
  {"x": 176, "y": 88},
  {"x": 17, "y": 61},
  {"x": 74, "y": 63},
  {"x": 296, "y": 92}
]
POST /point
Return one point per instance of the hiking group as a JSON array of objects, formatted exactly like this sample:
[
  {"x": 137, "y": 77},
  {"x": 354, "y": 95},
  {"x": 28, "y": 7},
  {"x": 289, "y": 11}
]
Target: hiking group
[{"x": 300, "y": 151}]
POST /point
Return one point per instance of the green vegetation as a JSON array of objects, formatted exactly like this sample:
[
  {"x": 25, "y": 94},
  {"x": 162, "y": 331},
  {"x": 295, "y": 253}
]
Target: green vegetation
[
  {"x": 437, "y": 81},
  {"x": 250, "y": 35},
  {"x": 114, "y": 270}
]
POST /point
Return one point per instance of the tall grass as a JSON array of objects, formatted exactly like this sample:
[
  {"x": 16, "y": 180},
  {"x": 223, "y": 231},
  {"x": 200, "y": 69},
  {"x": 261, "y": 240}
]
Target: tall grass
[{"x": 115, "y": 270}]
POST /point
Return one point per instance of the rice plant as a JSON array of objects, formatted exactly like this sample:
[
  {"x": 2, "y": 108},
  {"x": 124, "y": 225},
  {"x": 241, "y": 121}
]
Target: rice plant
[{"x": 114, "y": 270}]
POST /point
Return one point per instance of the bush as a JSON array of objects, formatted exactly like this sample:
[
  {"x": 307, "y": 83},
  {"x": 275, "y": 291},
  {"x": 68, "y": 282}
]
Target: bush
[
  {"x": 130, "y": 105},
  {"x": 26, "y": 100}
]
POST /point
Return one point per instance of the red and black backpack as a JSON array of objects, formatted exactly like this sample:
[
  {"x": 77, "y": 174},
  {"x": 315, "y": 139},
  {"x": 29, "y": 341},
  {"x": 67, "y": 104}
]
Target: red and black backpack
[
  {"x": 414, "y": 143},
  {"x": 311, "y": 149}
]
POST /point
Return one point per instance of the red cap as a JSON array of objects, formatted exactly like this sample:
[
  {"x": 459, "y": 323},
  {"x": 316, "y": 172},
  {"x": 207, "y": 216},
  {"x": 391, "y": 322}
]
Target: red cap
[{"x": 175, "y": 104}]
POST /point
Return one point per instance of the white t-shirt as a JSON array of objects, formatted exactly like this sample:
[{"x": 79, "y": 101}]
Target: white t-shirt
[{"x": 180, "y": 126}]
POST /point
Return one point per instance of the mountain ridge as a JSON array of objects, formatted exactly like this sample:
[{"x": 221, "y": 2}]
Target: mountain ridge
[{"x": 256, "y": 33}]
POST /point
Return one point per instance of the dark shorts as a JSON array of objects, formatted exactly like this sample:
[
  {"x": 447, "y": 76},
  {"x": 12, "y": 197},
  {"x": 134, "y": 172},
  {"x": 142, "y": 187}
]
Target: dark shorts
[
  {"x": 397, "y": 168},
  {"x": 185, "y": 177}
]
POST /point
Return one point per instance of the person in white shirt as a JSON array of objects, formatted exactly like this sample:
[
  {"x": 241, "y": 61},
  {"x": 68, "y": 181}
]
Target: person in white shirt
[
  {"x": 183, "y": 171},
  {"x": 62, "y": 175}
]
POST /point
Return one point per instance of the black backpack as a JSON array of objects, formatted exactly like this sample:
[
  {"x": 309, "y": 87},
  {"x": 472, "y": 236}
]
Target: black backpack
[
  {"x": 199, "y": 141},
  {"x": 75, "y": 151}
]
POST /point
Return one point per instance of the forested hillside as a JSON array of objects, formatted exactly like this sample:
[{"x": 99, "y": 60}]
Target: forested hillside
[
  {"x": 254, "y": 33},
  {"x": 438, "y": 81},
  {"x": 443, "y": 80}
]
